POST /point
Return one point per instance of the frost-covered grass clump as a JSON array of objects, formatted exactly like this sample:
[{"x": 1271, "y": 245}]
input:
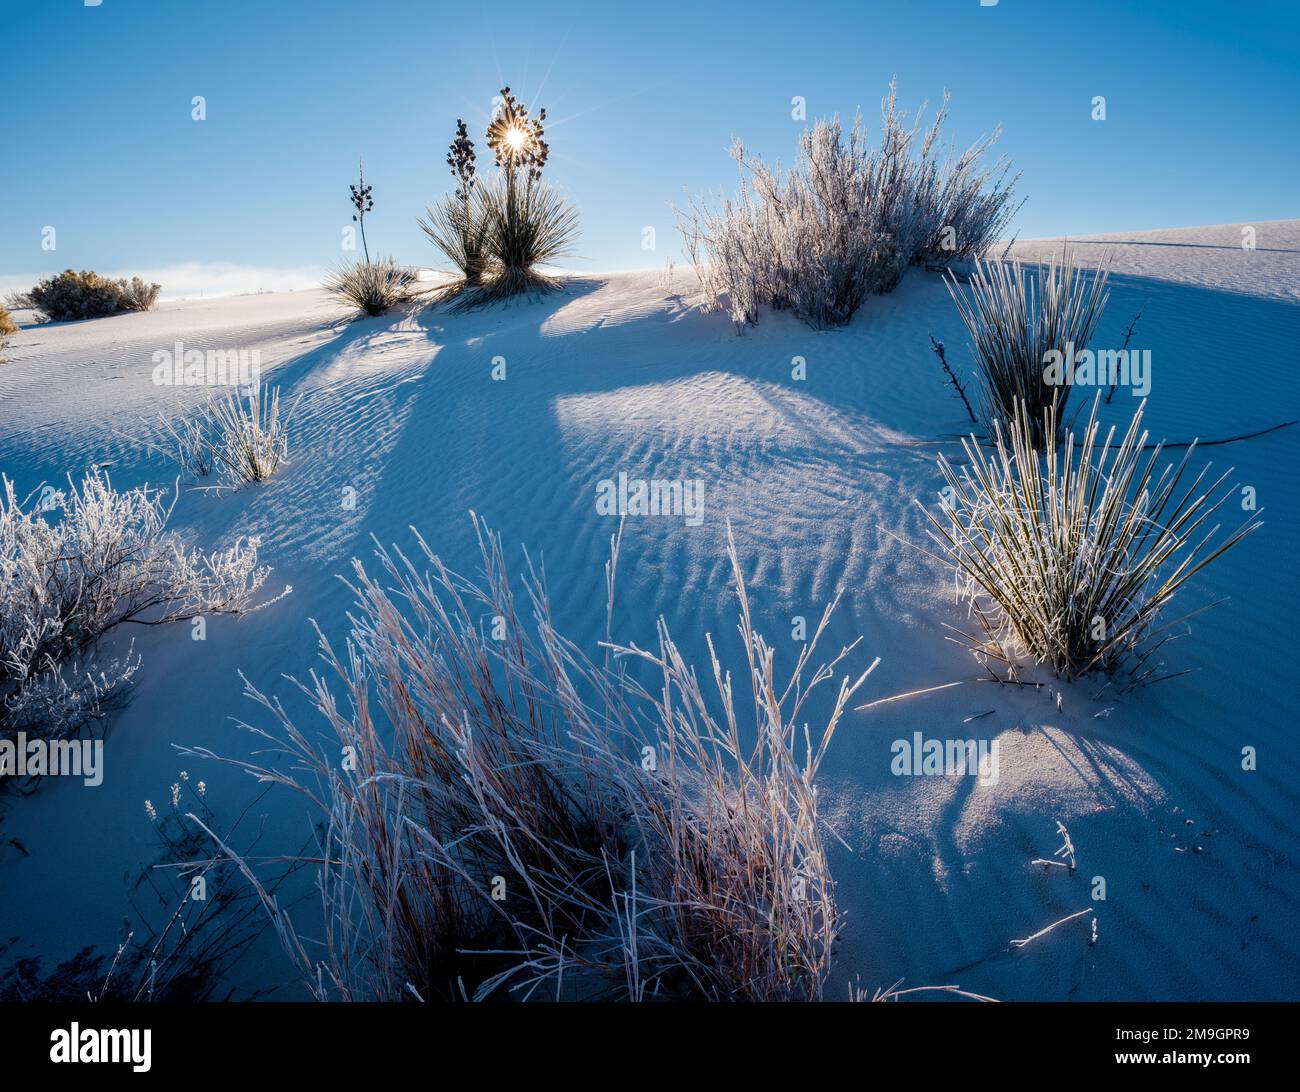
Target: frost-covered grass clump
[
  {"x": 519, "y": 820},
  {"x": 1019, "y": 322},
  {"x": 78, "y": 563},
  {"x": 240, "y": 435},
  {"x": 1069, "y": 553},
  {"x": 845, "y": 221}
]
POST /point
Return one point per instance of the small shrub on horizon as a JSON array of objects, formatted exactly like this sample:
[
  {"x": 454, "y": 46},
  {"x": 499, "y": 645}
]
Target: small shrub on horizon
[
  {"x": 7, "y": 327},
  {"x": 1014, "y": 320},
  {"x": 1068, "y": 552},
  {"x": 70, "y": 296}
]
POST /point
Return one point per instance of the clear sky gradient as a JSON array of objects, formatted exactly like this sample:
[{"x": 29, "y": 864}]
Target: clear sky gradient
[{"x": 1201, "y": 101}]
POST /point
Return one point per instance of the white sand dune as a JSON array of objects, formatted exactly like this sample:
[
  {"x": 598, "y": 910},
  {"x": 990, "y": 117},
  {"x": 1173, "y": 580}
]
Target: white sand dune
[{"x": 620, "y": 373}]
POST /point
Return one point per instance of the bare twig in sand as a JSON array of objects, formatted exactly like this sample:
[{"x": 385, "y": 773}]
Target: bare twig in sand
[
  {"x": 1017, "y": 944},
  {"x": 936, "y": 347},
  {"x": 1066, "y": 848},
  {"x": 859, "y": 993},
  {"x": 1127, "y": 334}
]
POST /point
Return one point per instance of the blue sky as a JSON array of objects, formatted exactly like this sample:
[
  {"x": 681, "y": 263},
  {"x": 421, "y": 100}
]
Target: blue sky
[{"x": 643, "y": 101}]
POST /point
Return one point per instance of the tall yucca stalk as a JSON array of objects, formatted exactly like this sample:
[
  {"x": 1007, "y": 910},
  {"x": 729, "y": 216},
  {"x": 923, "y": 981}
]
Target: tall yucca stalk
[
  {"x": 1069, "y": 554},
  {"x": 1015, "y": 318}
]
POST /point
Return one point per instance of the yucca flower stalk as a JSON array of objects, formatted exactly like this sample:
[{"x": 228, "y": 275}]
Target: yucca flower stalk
[
  {"x": 1015, "y": 318},
  {"x": 527, "y": 223},
  {"x": 1069, "y": 553},
  {"x": 363, "y": 202},
  {"x": 455, "y": 225}
]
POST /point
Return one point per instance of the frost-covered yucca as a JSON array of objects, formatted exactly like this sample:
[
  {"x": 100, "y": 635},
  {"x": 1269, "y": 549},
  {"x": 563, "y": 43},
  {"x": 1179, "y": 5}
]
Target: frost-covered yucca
[
  {"x": 79, "y": 563},
  {"x": 373, "y": 287},
  {"x": 247, "y": 437},
  {"x": 521, "y": 820},
  {"x": 1015, "y": 318},
  {"x": 847, "y": 220},
  {"x": 1069, "y": 554}
]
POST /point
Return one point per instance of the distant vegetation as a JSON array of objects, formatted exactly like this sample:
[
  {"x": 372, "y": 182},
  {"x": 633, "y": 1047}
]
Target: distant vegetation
[{"x": 73, "y": 295}]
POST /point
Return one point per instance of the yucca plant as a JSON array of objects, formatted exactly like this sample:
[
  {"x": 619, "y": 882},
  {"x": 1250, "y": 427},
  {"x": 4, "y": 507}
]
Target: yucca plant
[
  {"x": 455, "y": 224},
  {"x": 527, "y": 223},
  {"x": 1069, "y": 554},
  {"x": 373, "y": 287},
  {"x": 1015, "y": 318},
  {"x": 249, "y": 437}
]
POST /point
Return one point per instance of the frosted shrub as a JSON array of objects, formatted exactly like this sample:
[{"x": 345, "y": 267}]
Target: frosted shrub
[
  {"x": 1069, "y": 554},
  {"x": 77, "y": 565},
  {"x": 523, "y": 821},
  {"x": 845, "y": 221}
]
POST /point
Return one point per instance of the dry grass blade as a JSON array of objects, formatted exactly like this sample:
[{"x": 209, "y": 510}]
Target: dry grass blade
[{"x": 248, "y": 437}]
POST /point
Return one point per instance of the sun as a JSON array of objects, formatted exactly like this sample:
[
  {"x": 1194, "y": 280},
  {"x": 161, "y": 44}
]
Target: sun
[{"x": 516, "y": 138}]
